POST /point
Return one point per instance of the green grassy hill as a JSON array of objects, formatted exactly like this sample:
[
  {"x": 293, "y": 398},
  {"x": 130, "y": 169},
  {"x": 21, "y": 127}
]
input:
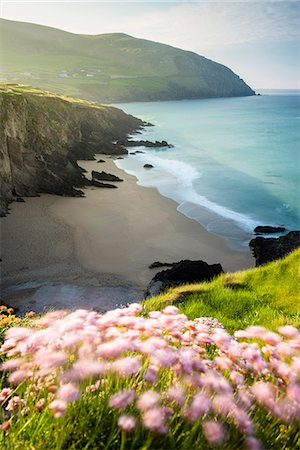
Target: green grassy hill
[
  {"x": 110, "y": 67},
  {"x": 268, "y": 295}
]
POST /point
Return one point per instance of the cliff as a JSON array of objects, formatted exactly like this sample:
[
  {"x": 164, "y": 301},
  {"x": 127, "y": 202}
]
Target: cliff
[
  {"x": 42, "y": 136},
  {"x": 111, "y": 67}
]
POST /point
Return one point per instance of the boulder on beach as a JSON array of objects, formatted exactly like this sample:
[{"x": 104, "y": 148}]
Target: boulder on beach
[
  {"x": 148, "y": 166},
  {"x": 102, "y": 185},
  {"x": 268, "y": 229},
  {"x": 103, "y": 176},
  {"x": 269, "y": 249},
  {"x": 157, "y": 264},
  {"x": 183, "y": 272},
  {"x": 101, "y": 161}
]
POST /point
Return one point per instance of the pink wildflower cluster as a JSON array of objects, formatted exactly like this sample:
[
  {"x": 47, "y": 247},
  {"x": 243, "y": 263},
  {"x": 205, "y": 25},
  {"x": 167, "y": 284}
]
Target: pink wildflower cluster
[{"x": 214, "y": 378}]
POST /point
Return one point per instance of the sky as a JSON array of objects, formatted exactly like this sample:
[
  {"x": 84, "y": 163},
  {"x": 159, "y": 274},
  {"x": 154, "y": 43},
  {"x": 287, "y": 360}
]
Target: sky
[{"x": 259, "y": 40}]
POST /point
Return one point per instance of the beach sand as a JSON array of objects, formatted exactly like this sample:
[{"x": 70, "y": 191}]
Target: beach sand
[{"x": 60, "y": 252}]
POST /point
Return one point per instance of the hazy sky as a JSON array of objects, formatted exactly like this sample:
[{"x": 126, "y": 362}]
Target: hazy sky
[{"x": 259, "y": 40}]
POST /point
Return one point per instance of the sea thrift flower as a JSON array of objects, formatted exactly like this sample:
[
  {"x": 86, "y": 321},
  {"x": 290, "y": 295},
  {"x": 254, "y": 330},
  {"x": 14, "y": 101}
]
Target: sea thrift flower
[
  {"x": 151, "y": 374},
  {"x": 39, "y": 406},
  {"x": 5, "y": 426},
  {"x": 58, "y": 407},
  {"x": 147, "y": 400},
  {"x": 153, "y": 419},
  {"x": 68, "y": 392},
  {"x": 214, "y": 432},
  {"x": 14, "y": 403},
  {"x": 176, "y": 394},
  {"x": 121, "y": 399},
  {"x": 126, "y": 366},
  {"x": 288, "y": 331},
  {"x": 253, "y": 444},
  {"x": 6, "y": 392},
  {"x": 127, "y": 423},
  {"x": 200, "y": 405}
]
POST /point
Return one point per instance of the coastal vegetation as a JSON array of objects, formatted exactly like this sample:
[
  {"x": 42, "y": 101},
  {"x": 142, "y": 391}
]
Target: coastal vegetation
[
  {"x": 161, "y": 374},
  {"x": 110, "y": 67}
]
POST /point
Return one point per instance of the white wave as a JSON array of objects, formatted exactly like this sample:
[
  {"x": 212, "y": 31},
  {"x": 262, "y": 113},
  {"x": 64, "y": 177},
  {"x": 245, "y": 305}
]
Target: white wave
[
  {"x": 242, "y": 220},
  {"x": 184, "y": 194},
  {"x": 182, "y": 171}
]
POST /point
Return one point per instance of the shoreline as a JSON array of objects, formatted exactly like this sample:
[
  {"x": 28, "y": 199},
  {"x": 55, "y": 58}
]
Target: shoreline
[{"x": 105, "y": 240}]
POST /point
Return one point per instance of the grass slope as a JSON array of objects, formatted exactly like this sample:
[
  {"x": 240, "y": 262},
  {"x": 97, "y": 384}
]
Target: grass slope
[
  {"x": 268, "y": 295},
  {"x": 110, "y": 67}
]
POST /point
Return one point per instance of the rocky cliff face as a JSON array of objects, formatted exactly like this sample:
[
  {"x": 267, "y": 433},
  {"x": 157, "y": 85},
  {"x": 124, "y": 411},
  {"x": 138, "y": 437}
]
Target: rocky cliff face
[{"x": 43, "y": 135}]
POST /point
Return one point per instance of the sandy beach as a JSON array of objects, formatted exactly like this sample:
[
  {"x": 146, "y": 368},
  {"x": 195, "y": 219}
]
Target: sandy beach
[{"x": 60, "y": 252}]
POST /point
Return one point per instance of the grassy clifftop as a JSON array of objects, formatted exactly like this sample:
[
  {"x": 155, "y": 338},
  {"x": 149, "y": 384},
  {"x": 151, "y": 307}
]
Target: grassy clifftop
[
  {"x": 110, "y": 67},
  {"x": 267, "y": 296}
]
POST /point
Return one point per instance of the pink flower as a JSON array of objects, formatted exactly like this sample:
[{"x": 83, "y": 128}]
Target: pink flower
[
  {"x": 214, "y": 432},
  {"x": 11, "y": 364},
  {"x": 126, "y": 366},
  {"x": 127, "y": 423},
  {"x": 256, "y": 331},
  {"x": 6, "y": 392},
  {"x": 68, "y": 392},
  {"x": 121, "y": 399},
  {"x": 154, "y": 420},
  {"x": 176, "y": 394},
  {"x": 288, "y": 331},
  {"x": 242, "y": 420},
  {"x": 223, "y": 404},
  {"x": 223, "y": 363},
  {"x": 58, "y": 407},
  {"x": 264, "y": 392},
  {"x": 148, "y": 400},
  {"x": 14, "y": 403},
  {"x": 236, "y": 378},
  {"x": 151, "y": 374},
  {"x": 253, "y": 444},
  {"x": 40, "y": 404},
  {"x": 84, "y": 369},
  {"x": 18, "y": 376},
  {"x": 113, "y": 349},
  {"x": 170, "y": 310},
  {"x": 200, "y": 405}
]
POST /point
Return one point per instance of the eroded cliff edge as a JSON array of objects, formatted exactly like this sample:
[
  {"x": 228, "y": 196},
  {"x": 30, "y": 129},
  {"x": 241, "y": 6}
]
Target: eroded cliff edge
[{"x": 43, "y": 135}]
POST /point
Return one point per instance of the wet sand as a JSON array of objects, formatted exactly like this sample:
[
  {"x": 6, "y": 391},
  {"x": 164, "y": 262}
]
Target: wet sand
[{"x": 99, "y": 246}]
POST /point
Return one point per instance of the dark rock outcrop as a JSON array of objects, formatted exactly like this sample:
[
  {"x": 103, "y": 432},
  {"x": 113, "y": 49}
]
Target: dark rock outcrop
[
  {"x": 156, "y": 144},
  {"x": 269, "y": 249},
  {"x": 103, "y": 176},
  {"x": 102, "y": 185},
  {"x": 148, "y": 166},
  {"x": 183, "y": 272},
  {"x": 157, "y": 264},
  {"x": 43, "y": 135},
  {"x": 268, "y": 230},
  {"x": 100, "y": 161}
]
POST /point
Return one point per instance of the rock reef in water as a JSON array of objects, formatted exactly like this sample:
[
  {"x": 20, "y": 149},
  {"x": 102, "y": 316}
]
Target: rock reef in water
[
  {"x": 183, "y": 272},
  {"x": 266, "y": 229},
  {"x": 141, "y": 143},
  {"x": 42, "y": 136},
  {"x": 269, "y": 249}
]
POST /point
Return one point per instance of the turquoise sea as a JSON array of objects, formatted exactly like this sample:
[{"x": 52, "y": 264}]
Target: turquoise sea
[{"x": 235, "y": 162}]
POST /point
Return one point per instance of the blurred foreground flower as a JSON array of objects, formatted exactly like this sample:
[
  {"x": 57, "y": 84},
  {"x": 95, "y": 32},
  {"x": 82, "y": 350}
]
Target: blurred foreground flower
[{"x": 167, "y": 366}]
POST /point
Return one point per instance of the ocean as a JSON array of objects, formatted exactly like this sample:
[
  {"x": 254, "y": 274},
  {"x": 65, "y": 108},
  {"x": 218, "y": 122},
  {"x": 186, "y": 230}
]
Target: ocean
[{"x": 235, "y": 163}]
